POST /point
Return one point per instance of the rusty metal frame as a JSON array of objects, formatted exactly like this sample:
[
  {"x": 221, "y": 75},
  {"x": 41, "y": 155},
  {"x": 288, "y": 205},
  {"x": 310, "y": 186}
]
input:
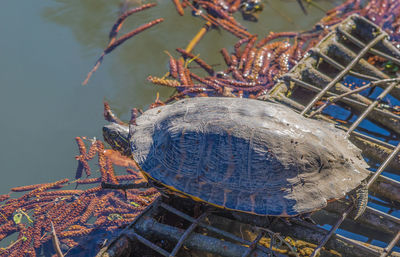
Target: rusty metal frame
[{"x": 291, "y": 77}]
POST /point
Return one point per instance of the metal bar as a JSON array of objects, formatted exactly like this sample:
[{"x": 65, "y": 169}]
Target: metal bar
[
  {"x": 385, "y": 203},
  {"x": 371, "y": 180},
  {"x": 337, "y": 98},
  {"x": 150, "y": 244},
  {"x": 141, "y": 214},
  {"x": 315, "y": 89},
  {"x": 355, "y": 244},
  {"x": 371, "y": 107},
  {"x": 383, "y": 165},
  {"x": 113, "y": 242},
  {"x": 371, "y": 218},
  {"x": 339, "y": 66},
  {"x": 253, "y": 245},
  {"x": 372, "y": 50},
  {"x": 371, "y": 84},
  {"x": 373, "y": 140},
  {"x": 318, "y": 78},
  {"x": 354, "y": 91},
  {"x": 383, "y": 215},
  {"x": 215, "y": 230},
  {"x": 343, "y": 72},
  {"x": 331, "y": 231},
  {"x": 273, "y": 234},
  {"x": 389, "y": 248},
  {"x": 197, "y": 241},
  {"x": 210, "y": 228},
  {"x": 187, "y": 233},
  {"x": 345, "y": 99}
]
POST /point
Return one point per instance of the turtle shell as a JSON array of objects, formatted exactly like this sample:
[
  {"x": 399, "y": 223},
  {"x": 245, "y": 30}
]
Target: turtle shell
[{"x": 246, "y": 155}]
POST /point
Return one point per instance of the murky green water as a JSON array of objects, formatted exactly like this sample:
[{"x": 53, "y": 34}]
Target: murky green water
[{"x": 46, "y": 50}]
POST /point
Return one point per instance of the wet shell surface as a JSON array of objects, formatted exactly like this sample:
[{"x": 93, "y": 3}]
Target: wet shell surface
[{"x": 246, "y": 155}]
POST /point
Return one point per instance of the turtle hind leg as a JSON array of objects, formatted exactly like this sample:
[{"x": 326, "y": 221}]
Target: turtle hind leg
[{"x": 360, "y": 199}]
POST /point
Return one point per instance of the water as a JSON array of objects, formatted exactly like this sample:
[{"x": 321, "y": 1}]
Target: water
[{"x": 46, "y": 50}]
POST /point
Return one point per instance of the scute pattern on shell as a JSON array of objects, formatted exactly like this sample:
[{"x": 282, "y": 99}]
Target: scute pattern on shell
[{"x": 247, "y": 155}]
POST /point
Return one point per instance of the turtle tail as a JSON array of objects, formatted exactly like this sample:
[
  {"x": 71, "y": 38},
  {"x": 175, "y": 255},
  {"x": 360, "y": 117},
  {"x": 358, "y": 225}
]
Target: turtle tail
[{"x": 360, "y": 200}]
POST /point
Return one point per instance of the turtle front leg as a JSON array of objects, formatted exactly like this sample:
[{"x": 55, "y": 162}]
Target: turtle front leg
[
  {"x": 308, "y": 217},
  {"x": 360, "y": 199}
]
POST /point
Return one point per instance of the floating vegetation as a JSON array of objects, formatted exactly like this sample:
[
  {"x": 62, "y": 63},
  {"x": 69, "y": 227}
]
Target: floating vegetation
[
  {"x": 76, "y": 214},
  {"x": 257, "y": 63},
  {"x": 114, "y": 42}
]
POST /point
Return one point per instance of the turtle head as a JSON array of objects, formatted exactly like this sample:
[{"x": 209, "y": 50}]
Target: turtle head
[{"x": 117, "y": 136}]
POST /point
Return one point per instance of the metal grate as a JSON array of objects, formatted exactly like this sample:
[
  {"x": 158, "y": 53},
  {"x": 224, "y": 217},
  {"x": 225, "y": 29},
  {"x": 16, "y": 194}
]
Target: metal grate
[
  {"x": 338, "y": 55},
  {"x": 316, "y": 77},
  {"x": 243, "y": 248}
]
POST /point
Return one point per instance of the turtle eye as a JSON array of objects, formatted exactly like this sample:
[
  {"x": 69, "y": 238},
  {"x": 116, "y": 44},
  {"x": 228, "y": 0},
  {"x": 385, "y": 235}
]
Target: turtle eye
[{"x": 113, "y": 134}]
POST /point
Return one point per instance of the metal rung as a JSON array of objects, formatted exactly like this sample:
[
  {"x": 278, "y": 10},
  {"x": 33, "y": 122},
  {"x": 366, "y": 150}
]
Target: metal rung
[
  {"x": 212, "y": 229},
  {"x": 331, "y": 231},
  {"x": 341, "y": 67},
  {"x": 253, "y": 245},
  {"x": 307, "y": 70},
  {"x": 354, "y": 243},
  {"x": 371, "y": 107},
  {"x": 372, "y": 50},
  {"x": 150, "y": 244},
  {"x": 389, "y": 248},
  {"x": 343, "y": 72},
  {"x": 350, "y": 208},
  {"x": 187, "y": 233},
  {"x": 344, "y": 99},
  {"x": 374, "y": 140},
  {"x": 384, "y": 165}
]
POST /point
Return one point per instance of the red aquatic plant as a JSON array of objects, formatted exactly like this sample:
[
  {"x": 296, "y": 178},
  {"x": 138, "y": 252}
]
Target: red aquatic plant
[{"x": 74, "y": 212}]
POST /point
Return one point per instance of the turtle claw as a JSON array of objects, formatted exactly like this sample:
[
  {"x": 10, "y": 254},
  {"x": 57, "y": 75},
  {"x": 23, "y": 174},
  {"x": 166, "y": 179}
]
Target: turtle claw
[
  {"x": 360, "y": 199},
  {"x": 285, "y": 220},
  {"x": 307, "y": 217}
]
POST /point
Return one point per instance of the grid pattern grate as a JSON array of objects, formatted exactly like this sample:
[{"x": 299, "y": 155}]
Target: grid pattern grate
[
  {"x": 340, "y": 47},
  {"x": 344, "y": 51}
]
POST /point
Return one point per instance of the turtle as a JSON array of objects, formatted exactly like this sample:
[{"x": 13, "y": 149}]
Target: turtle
[{"x": 243, "y": 155}]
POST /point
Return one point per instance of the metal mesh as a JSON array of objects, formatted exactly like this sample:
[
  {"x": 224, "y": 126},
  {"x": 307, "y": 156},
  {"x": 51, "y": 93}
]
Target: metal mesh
[
  {"x": 244, "y": 248},
  {"x": 314, "y": 84},
  {"x": 343, "y": 53}
]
